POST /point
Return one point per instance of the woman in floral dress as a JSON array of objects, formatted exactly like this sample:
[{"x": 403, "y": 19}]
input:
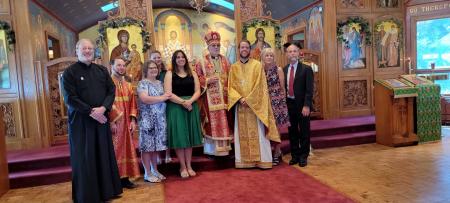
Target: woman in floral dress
[
  {"x": 152, "y": 120},
  {"x": 277, "y": 92}
]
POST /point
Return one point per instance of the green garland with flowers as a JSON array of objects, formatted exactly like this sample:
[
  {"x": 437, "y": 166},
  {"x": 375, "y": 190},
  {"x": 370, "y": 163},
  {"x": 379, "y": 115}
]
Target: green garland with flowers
[
  {"x": 365, "y": 29},
  {"x": 9, "y": 33},
  {"x": 264, "y": 23},
  {"x": 123, "y": 22}
]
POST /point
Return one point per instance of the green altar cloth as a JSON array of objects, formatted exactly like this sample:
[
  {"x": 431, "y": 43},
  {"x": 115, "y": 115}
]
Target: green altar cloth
[{"x": 428, "y": 118}]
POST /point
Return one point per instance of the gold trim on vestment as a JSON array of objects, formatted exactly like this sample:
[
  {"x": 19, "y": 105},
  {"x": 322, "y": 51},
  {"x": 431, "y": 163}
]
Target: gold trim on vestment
[
  {"x": 264, "y": 165},
  {"x": 118, "y": 117},
  {"x": 217, "y": 138},
  {"x": 248, "y": 135},
  {"x": 121, "y": 99}
]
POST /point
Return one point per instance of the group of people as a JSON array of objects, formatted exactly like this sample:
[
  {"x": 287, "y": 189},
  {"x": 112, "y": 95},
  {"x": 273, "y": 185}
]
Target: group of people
[{"x": 214, "y": 104}]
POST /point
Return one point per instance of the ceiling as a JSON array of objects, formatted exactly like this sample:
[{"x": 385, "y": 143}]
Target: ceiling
[
  {"x": 283, "y": 8},
  {"x": 79, "y": 15}
]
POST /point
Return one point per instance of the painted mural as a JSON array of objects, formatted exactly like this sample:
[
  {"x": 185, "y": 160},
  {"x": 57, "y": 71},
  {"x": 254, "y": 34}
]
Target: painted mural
[
  {"x": 315, "y": 29},
  {"x": 311, "y": 19},
  {"x": 184, "y": 29},
  {"x": 42, "y": 22}
]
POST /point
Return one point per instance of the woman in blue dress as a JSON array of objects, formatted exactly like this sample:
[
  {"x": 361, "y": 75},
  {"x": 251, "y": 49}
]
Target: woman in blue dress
[{"x": 152, "y": 120}]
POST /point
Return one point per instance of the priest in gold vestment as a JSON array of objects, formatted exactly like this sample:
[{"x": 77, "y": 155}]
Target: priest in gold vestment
[{"x": 254, "y": 124}]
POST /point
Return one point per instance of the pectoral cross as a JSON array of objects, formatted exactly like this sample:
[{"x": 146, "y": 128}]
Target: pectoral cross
[{"x": 243, "y": 82}]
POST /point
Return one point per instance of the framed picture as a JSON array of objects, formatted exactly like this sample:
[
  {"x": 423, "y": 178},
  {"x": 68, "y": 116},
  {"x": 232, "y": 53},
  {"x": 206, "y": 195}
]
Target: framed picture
[
  {"x": 388, "y": 43},
  {"x": 383, "y": 5},
  {"x": 5, "y": 82},
  {"x": 126, "y": 43},
  {"x": 260, "y": 37},
  {"x": 353, "y": 52}
]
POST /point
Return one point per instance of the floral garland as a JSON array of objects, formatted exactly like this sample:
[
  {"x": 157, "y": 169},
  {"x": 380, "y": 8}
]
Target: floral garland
[
  {"x": 10, "y": 35},
  {"x": 264, "y": 23},
  {"x": 365, "y": 29},
  {"x": 123, "y": 22},
  {"x": 399, "y": 27}
]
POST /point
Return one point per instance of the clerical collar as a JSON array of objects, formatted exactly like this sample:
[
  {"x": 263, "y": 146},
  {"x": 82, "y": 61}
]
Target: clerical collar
[
  {"x": 244, "y": 62},
  {"x": 84, "y": 64},
  {"x": 214, "y": 57}
]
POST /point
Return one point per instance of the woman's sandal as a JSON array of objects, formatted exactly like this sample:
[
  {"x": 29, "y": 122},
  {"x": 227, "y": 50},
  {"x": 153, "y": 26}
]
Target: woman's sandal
[
  {"x": 191, "y": 172},
  {"x": 154, "y": 179},
  {"x": 159, "y": 175},
  {"x": 184, "y": 174}
]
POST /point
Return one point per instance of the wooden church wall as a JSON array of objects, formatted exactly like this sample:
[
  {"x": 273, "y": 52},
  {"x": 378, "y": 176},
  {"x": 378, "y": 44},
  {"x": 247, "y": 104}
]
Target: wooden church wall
[
  {"x": 23, "y": 101},
  {"x": 348, "y": 90},
  {"x": 19, "y": 101},
  {"x": 349, "y": 85},
  {"x": 356, "y": 85}
]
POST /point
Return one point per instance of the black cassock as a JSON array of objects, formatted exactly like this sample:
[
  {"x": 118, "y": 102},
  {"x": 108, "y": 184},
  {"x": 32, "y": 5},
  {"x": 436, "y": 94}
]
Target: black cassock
[{"x": 95, "y": 176}]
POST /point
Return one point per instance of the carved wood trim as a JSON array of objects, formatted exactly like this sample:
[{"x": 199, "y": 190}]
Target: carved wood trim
[
  {"x": 350, "y": 6},
  {"x": 8, "y": 119},
  {"x": 54, "y": 106},
  {"x": 356, "y": 96},
  {"x": 249, "y": 9}
]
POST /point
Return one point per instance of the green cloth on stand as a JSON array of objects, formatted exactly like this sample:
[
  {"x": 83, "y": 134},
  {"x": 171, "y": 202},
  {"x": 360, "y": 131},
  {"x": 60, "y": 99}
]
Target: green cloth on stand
[{"x": 428, "y": 112}]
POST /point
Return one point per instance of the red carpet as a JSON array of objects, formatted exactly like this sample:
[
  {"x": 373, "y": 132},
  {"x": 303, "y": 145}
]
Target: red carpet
[{"x": 280, "y": 184}]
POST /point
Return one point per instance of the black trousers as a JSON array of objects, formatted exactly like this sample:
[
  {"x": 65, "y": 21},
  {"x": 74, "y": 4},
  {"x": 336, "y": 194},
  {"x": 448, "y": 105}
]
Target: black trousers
[{"x": 299, "y": 131}]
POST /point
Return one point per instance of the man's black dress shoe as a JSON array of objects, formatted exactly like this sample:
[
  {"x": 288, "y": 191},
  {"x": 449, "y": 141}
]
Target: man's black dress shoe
[
  {"x": 293, "y": 161},
  {"x": 303, "y": 162},
  {"x": 129, "y": 185},
  {"x": 126, "y": 183}
]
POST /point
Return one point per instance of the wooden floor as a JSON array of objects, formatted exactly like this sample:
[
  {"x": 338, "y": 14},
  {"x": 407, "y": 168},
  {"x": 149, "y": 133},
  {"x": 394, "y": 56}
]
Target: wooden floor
[
  {"x": 365, "y": 173},
  {"x": 61, "y": 193},
  {"x": 375, "y": 173}
]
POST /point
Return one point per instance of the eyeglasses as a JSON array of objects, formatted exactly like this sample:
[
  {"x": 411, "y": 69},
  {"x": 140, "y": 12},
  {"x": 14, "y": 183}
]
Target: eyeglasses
[{"x": 215, "y": 45}]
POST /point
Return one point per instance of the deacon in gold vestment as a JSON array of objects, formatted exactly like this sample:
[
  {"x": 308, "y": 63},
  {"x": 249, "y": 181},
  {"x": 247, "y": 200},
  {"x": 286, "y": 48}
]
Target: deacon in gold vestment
[{"x": 254, "y": 124}]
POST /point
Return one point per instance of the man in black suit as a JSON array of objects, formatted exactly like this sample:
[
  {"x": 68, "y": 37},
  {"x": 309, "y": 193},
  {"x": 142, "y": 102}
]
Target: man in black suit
[{"x": 299, "y": 87}]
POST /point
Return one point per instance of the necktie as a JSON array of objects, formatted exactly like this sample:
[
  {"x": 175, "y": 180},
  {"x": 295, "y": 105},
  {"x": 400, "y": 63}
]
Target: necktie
[{"x": 291, "y": 81}]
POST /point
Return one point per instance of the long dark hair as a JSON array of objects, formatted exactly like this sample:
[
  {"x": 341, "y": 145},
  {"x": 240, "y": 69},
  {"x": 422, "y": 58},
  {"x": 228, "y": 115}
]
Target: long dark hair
[{"x": 186, "y": 67}]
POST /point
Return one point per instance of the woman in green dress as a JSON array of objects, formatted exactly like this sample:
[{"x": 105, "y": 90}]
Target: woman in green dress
[{"x": 183, "y": 117}]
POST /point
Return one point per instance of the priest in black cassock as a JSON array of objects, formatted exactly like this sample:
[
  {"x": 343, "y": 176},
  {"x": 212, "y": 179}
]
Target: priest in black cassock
[{"x": 89, "y": 93}]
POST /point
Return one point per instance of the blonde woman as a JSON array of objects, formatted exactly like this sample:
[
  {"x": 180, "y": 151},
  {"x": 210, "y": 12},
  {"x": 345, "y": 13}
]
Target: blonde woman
[{"x": 277, "y": 93}]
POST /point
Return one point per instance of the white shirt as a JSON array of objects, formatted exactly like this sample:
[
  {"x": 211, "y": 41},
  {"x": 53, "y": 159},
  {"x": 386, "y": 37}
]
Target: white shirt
[{"x": 288, "y": 77}]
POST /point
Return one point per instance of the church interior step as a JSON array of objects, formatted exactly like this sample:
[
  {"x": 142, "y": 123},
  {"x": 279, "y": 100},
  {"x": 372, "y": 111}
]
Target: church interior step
[{"x": 52, "y": 165}]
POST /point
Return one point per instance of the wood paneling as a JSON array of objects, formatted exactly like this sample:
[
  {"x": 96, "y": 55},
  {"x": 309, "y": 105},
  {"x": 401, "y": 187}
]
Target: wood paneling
[
  {"x": 4, "y": 180},
  {"x": 331, "y": 81},
  {"x": 355, "y": 95},
  {"x": 373, "y": 14},
  {"x": 4, "y": 7}
]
